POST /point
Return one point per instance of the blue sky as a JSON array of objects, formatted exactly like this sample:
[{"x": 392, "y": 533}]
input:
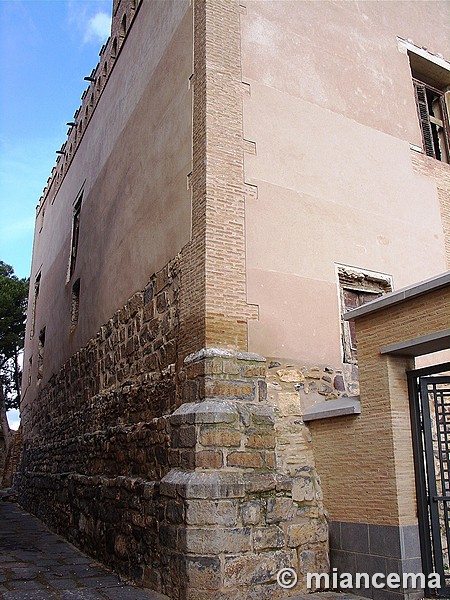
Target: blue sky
[{"x": 47, "y": 47}]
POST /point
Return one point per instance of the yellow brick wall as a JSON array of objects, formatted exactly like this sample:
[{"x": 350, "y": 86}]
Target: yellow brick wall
[
  {"x": 366, "y": 462},
  {"x": 440, "y": 173},
  {"x": 213, "y": 310},
  {"x": 417, "y": 317}
]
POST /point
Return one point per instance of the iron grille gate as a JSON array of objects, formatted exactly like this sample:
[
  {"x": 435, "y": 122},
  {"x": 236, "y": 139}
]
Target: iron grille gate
[{"x": 430, "y": 414}]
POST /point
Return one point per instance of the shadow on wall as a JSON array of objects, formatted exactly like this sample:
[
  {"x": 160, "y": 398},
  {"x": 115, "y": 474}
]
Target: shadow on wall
[{"x": 10, "y": 458}]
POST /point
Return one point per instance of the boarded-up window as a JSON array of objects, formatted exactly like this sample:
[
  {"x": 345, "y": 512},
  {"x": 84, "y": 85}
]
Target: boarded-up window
[
  {"x": 357, "y": 287},
  {"x": 353, "y": 299}
]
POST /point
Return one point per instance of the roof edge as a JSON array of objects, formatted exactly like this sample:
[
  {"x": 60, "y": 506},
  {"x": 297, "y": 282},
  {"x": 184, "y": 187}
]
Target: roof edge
[{"x": 407, "y": 293}]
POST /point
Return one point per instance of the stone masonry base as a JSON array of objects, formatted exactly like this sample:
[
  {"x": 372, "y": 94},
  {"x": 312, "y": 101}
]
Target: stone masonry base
[{"x": 196, "y": 504}]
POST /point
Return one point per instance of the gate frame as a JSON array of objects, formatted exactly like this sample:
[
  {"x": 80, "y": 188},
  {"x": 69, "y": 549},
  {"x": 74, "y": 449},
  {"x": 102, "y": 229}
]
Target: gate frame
[{"x": 414, "y": 377}]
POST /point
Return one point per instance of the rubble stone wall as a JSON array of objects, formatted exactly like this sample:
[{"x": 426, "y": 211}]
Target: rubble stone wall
[
  {"x": 10, "y": 458},
  {"x": 197, "y": 502},
  {"x": 125, "y": 374},
  {"x": 96, "y": 440}
]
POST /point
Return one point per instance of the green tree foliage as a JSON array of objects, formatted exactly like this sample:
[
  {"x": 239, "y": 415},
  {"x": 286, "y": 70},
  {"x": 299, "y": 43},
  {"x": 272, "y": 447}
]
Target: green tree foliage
[{"x": 13, "y": 306}]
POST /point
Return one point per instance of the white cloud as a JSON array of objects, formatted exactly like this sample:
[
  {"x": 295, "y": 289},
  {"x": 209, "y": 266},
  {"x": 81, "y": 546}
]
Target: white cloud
[
  {"x": 98, "y": 28},
  {"x": 17, "y": 230}
]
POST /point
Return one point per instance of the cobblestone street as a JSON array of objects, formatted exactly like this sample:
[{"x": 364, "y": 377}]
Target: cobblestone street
[{"x": 36, "y": 564}]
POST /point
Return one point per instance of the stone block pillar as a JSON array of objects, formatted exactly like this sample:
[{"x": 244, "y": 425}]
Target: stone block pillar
[{"x": 230, "y": 521}]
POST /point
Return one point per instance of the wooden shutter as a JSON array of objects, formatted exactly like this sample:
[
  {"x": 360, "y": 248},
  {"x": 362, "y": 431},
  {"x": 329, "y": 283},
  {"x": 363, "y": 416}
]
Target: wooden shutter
[
  {"x": 424, "y": 118},
  {"x": 446, "y": 118}
]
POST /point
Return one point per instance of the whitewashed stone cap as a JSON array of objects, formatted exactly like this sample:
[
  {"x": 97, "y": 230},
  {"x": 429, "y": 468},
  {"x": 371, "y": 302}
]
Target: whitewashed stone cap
[
  {"x": 210, "y": 485},
  {"x": 222, "y": 353},
  {"x": 221, "y": 411},
  {"x": 333, "y": 408},
  {"x": 207, "y": 411}
]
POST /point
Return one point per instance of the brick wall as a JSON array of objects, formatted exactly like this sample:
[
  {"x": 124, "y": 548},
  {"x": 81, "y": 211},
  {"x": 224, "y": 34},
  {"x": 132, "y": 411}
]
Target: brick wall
[
  {"x": 367, "y": 471},
  {"x": 439, "y": 173},
  {"x": 213, "y": 305},
  {"x": 366, "y": 461}
]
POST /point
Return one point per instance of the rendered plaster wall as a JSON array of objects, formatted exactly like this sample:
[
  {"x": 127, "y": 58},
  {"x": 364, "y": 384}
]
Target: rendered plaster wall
[
  {"x": 330, "y": 113},
  {"x": 132, "y": 164}
]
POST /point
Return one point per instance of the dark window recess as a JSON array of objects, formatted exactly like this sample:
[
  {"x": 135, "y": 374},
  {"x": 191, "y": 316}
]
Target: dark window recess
[
  {"x": 123, "y": 27},
  {"x": 42, "y": 337},
  {"x": 75, "y": 306},
  {"x": 434, "y": 123},
  {"x": 41, "y": 345},
  {"x": 114, "y": 49},
  {"x": 42, "y": 220},
  {"x": 75, "y": 235},
  {"x": 37, "y": 287}
]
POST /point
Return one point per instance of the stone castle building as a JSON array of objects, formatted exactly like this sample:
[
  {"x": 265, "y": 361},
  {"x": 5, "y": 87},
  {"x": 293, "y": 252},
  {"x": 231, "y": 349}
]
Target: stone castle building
[{"x": 240, "y": 174}]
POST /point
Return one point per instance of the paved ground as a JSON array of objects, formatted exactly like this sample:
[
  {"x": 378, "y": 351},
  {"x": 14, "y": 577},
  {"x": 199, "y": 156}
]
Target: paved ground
[{"x": 36, "y": 564}]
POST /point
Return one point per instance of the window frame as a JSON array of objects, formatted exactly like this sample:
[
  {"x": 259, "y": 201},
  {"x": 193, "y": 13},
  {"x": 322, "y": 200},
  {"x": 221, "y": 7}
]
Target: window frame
[
  {"x": 432, "y": 71},
  {"x": 75, "y": 235},
  {"x": 433, "y": 129}
]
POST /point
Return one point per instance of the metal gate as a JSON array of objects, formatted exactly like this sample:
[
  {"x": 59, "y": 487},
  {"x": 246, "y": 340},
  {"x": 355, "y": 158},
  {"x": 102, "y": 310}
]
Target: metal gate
[{"x": 430, "y": 415}]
